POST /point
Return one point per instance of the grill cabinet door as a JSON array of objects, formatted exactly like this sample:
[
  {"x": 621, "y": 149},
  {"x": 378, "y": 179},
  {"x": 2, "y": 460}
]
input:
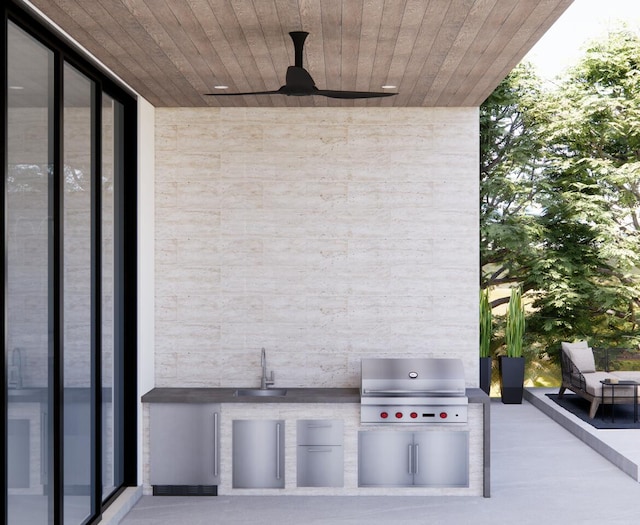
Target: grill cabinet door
[
  {"x": 441, "y": 458},
  {"x": 385, "y": 458}
]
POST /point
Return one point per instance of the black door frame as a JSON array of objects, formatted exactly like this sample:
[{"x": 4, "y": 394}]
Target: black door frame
[{"x": 125, "y": 223}]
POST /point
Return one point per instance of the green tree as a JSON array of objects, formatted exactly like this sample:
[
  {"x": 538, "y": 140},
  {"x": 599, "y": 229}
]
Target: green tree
[
  {"x": 588, "y": 279},
  {"x": 560, "y": 194},
  {"x": 511, "y": 157}
]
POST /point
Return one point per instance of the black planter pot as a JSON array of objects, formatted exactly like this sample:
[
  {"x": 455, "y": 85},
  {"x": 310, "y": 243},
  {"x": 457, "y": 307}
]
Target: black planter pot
[
  {"x": 511, "y": 379},
  {"x": 485, "y": 374}
]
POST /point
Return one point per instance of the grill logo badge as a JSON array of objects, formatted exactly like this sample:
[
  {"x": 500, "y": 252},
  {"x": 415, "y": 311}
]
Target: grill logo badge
[{"x": 413, "y": 375}]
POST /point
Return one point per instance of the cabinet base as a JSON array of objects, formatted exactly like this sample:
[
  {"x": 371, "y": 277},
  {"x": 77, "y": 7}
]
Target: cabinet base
[{"x": 185, "y": 490}]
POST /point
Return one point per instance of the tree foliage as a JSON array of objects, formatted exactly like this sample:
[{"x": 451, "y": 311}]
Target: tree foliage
[
  {"x": 511, "y": 154},
  {"x": 560, "y": 196}
]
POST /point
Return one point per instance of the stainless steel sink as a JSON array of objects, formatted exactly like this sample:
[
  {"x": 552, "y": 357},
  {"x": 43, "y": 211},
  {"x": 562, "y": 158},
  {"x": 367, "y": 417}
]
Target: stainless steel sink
[{"x": 260, "y": 392}]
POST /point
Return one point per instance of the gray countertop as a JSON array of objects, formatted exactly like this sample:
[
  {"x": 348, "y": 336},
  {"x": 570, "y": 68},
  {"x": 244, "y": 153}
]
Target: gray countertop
[{"x": 294, "y": 395}]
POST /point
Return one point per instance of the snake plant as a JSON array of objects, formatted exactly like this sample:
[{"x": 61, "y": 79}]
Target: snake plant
[
  {"x": 485, "y": 324},
  {"x": 514, "y": 330}
]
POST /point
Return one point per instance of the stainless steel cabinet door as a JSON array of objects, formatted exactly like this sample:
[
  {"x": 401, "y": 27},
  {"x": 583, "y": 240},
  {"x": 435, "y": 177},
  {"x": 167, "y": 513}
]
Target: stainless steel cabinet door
[
  {"x": 385, "y": 458},
  {"x": 441, "y": 459},
  {"x": 184, "y": 444},
  {"x": 320, "y": 466},
  {"x": 258, "y": 454}
]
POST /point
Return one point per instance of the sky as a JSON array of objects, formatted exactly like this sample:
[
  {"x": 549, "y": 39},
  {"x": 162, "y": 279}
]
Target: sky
[{"x": 584, "y": 20}]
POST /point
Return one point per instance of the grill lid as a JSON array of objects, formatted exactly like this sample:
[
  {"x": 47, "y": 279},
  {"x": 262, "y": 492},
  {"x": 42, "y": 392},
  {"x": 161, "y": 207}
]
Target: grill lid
[{"x": 412, "y": 377}]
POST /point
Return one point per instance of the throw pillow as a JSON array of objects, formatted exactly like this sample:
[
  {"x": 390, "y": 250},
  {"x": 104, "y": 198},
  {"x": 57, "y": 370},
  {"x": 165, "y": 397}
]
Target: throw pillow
[{"x": 581, "y": 356}]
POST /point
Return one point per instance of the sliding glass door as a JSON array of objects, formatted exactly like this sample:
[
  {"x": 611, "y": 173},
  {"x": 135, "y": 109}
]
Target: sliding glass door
[
  {"x": 68, "y": 381},
  {"x": 78, "y": 309},
  {"x": 112, "y": 153},
  {"x": 28, "y": 248}
]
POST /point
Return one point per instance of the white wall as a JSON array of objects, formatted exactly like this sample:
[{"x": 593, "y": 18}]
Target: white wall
[
  {"x": 146, "y": 259},
  {"x": 322, "y": 234}
]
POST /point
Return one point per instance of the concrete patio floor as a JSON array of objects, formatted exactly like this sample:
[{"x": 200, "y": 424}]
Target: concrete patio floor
[
  {"x": 620, "y": 447},
  {"x": 541, "y": 474}
]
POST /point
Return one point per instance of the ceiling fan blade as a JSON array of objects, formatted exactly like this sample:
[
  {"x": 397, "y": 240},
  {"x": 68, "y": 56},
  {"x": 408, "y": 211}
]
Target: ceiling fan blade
[
  {"x": 351, "y": 94},
  {"x": 276, "y": 92},
  {"x": 299, "y": 82}
]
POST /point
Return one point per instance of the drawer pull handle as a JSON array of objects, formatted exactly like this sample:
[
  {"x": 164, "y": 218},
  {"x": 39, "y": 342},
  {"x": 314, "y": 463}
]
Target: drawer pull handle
[
  {"x": 215, "y": 444},
  {"x": 278, "y": 451}
]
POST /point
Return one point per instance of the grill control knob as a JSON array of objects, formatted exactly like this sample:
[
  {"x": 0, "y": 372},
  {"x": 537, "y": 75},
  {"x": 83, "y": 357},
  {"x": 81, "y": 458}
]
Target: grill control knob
[
  {"x": 413, "y": 415},
  {"x": 443, "y": 415},
  {"x": 384, "y": 415},
  {"x": 398, "y": 415}
]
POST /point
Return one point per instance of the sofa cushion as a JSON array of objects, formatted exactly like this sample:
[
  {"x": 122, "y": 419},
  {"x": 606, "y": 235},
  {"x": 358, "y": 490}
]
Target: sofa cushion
[
  {"x": 627, "y": 375},
  {"x": 576, "y": 344},
  {"x": 593, "y": 386},
  {"x": 581, "y": 356}
]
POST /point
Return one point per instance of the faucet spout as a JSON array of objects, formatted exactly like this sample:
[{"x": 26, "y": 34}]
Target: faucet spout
[
  {"x": 15, "y": 369},
  {"x": 265, "y": 382}
]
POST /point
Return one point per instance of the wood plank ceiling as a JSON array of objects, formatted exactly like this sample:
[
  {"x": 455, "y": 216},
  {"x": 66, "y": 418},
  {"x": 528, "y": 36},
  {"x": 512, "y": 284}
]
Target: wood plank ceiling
[{"x": 437, "y": 52}]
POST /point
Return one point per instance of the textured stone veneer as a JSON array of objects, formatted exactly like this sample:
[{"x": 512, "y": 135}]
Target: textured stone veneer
[{"x": 322, "y": 234}]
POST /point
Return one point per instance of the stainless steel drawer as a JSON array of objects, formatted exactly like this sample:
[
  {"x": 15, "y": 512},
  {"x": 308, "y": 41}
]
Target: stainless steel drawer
[
  {"x": 320, "y": 466},
  {"x": 320, "y": 432}
]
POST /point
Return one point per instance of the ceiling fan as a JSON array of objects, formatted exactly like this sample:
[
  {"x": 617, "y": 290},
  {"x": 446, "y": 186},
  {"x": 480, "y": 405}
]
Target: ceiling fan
[{"x": 299, "y": 82}]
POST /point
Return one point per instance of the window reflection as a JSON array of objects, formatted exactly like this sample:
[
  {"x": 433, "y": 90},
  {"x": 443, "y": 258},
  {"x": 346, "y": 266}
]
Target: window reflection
[
  {"x": 111, "y": 169},
  {"x": 28, "y": 293},
  {"x": 55, "y": 341},
  {"x": 77, "y": 295}
]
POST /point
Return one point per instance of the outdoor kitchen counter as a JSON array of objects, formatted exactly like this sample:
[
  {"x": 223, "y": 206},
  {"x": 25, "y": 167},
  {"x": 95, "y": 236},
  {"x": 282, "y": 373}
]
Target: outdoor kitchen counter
[
  {"x": 294, "y": 395},
  {"x": 227, "y": 395},
  {"x": 310, "y": 396}
]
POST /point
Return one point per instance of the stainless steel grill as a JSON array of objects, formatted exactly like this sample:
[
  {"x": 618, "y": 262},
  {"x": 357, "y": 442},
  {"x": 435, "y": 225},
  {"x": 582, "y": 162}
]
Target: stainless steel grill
[{"x": 413, "y": 390}]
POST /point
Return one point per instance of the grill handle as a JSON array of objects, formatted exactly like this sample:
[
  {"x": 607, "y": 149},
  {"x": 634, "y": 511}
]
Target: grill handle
[{"x": 412, "y": 393}]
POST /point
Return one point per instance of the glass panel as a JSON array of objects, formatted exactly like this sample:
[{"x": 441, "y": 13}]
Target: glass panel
[
  {"x": 77, "y": 311},
  {"x": 29, "y": 283},
  {"x": 111, "y": 172}
]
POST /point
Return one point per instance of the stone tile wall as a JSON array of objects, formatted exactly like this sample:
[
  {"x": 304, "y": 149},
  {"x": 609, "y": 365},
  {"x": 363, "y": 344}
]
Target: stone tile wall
[{"x": 321, "y": 234}]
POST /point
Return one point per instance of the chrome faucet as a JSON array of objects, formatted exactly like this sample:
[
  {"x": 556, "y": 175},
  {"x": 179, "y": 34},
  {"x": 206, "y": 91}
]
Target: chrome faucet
[
  {"x": 15, "y": 369},
  {"x": 265, "y": 382}
]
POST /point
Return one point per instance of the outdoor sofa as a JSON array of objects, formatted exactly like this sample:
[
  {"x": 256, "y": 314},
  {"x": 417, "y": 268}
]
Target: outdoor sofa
[{"x": 579, "y": 375}]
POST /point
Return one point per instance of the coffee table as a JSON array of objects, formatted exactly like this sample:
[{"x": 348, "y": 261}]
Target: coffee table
[{"x": 613, "y": 386}]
